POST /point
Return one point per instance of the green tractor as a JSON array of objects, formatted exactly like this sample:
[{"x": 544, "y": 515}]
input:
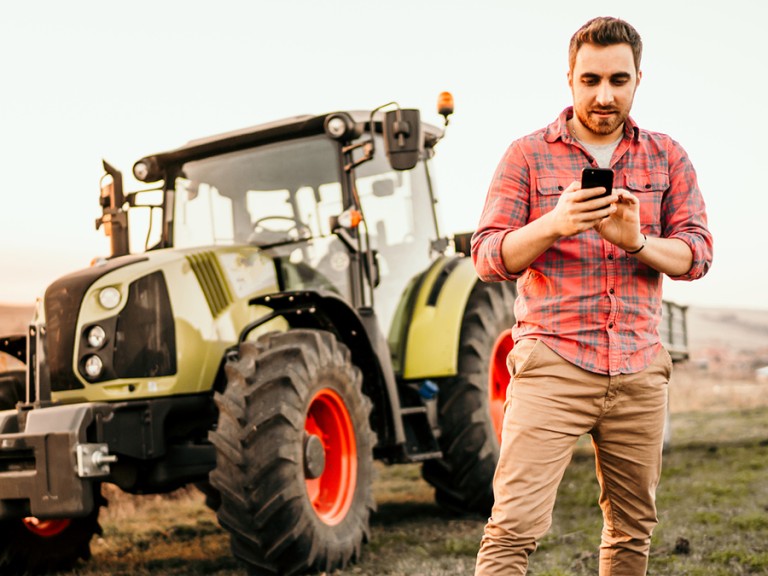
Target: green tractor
[{"x": 296, "y": 313}]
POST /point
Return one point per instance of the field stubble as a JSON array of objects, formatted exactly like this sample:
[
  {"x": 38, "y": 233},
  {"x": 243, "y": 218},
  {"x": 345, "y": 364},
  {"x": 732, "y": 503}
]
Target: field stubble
[{"x": 713, "y": 503}]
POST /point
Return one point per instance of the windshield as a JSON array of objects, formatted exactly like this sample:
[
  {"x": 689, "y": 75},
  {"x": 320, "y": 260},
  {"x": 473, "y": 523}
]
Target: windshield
[{"x": 289, "y": 187}]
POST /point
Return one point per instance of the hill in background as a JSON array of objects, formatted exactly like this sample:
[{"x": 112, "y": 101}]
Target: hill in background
[
  {"x": 14, "y": 319},
  {"x": 735, "y": 329}
]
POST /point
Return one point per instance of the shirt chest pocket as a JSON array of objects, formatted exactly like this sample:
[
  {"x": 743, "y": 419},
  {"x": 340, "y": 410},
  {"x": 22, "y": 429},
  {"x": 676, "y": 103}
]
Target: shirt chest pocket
[
  {"x": 546, "y": 193},
  {"x": 649, "y": 187}
]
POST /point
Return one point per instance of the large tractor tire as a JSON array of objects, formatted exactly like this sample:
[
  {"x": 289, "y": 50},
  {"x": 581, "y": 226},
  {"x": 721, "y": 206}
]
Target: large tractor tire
[
  {"x": 32, "y": 546},
  {"x": 471, "y": 404},
  {"x": 294, "y": 459}
]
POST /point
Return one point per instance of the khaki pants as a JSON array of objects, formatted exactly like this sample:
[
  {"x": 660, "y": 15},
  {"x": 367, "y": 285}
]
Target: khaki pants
[{"x": 550, "y": 404}]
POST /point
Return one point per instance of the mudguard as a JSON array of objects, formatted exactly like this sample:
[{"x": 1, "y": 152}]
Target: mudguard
[
  {"x": 359, "y": 331},
  {"x": 432, "y": 336}
]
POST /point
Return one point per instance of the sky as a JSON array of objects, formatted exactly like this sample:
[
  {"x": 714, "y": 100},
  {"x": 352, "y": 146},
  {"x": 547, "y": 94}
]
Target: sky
[{"x": 86, "y": 80}]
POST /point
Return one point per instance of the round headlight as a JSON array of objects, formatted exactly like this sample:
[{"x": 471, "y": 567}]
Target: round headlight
[
  {"x": 96, "y": 337},
  {"x": 147, "y": 170},
  {"x": 339, "y": 126},
  {"x": 93, "y": 366},
  {"x": 336, "y": 127},
  {"x": 109, "y": 297},
  {"x": 141, "y": 171}
]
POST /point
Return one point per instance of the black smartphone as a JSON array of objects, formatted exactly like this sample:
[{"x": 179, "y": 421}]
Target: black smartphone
[{"x": 595, "y": 177}]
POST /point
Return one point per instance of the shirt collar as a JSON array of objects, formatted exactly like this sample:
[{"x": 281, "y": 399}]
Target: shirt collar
[{"x": 559, "y": 128}]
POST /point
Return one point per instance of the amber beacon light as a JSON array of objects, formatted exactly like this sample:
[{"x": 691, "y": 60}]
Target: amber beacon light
[{"x": 445, "y": 105}]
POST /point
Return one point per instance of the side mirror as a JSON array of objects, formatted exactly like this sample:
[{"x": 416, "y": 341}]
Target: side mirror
[
  {"x": 402, "y": 138},
  {"x": 113, "y": 217}
]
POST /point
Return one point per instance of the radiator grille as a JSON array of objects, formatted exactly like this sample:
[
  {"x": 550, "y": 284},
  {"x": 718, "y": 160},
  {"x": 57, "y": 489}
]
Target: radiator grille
[{"x": 209, "y": 274}]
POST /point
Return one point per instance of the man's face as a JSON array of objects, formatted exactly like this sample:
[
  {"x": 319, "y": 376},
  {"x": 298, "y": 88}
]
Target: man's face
[{"x": 603, "y": 82}]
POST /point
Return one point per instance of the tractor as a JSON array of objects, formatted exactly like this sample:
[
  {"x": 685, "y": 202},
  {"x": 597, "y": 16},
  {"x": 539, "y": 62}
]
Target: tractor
[{"x": 293, "y": 313}]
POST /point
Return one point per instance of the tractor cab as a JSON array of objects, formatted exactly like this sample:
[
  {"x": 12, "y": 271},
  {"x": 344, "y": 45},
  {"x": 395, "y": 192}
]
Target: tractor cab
[{"x": 341, "y": 202}]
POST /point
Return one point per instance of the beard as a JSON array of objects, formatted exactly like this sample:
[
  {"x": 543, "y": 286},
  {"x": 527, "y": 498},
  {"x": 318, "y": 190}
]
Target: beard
[{"x": 598, "y": 125}]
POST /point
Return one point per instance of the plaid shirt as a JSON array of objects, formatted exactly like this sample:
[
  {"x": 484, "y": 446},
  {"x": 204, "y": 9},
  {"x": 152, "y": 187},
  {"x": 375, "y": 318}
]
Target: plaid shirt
[{"x": 584, "y": 297}]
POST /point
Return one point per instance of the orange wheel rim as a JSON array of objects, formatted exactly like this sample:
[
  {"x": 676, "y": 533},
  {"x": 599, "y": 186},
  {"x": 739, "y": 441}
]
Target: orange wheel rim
[
  {"x": 498, "y": 379},
  {"x": 332, "y": 492},
  {"x": 46, "y": 528}
]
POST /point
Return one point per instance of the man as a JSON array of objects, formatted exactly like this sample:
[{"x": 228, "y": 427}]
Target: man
[{"x": 587, "y": 355}]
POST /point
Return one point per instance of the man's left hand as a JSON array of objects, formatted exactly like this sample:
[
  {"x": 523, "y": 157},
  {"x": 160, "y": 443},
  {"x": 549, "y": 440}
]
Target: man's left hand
[{"x": 622, "y": 228}]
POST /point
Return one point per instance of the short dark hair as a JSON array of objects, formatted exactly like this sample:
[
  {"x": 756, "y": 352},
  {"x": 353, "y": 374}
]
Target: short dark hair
[{"x": 606, "y": 31}]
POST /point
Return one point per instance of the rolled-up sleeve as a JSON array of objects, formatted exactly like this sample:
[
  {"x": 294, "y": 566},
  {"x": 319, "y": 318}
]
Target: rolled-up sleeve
[
  {"x": 684, "y": 213},
  {"x": 506, "y": 209}
]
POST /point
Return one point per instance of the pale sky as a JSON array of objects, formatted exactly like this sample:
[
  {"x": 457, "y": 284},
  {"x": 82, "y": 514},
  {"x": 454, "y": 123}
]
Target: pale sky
[{"x": 85, "y": 80}]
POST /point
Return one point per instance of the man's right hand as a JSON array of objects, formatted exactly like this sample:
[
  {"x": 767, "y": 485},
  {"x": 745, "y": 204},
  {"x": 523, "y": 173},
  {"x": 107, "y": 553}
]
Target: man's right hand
[{"x": 580, "y": 209}]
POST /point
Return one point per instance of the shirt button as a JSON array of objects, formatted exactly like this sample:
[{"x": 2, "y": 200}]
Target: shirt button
[
  {"x": 610, "y": 256},
  {"x": 610, "y": 325},
  {"x": 611, "y": 291}
]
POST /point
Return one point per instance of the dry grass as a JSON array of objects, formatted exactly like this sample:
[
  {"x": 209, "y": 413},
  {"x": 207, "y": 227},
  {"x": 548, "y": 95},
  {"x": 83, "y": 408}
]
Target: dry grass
[
  {"x": 692, "y": 390},
  {"x": 713, "y": 503},
  {"x": 159, "y": 534}
]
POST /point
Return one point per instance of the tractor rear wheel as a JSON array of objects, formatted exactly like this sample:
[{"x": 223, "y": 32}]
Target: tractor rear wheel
[
  {"x": 294, "y": 454},
  {"x": 471, "y": 404}
]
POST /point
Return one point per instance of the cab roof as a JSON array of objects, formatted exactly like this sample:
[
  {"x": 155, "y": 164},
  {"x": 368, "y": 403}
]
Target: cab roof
[{"x": 274, "y": 131}]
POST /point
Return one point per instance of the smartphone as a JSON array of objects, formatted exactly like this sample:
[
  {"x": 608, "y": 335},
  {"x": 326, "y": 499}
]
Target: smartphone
[{"x": 595, "y": 177}]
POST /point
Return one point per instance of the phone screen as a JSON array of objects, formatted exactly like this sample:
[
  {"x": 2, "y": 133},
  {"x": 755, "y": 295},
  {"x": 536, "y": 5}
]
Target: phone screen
[{"x": 594, "y": 177}]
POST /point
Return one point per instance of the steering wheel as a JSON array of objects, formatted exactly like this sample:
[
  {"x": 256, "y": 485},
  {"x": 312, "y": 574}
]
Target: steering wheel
[{"x": 262, "y": 234}]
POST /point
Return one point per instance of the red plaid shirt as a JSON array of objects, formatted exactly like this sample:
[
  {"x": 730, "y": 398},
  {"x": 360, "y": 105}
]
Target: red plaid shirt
[{"x": 584, "y": 297}]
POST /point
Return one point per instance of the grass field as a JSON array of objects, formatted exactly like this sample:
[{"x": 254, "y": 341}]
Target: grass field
[
  {"x": 713, "y": 499},
  {"x": 713, "y": 503}
]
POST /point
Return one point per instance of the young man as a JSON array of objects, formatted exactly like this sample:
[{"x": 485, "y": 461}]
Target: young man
[{"x": 587, "y": 355}]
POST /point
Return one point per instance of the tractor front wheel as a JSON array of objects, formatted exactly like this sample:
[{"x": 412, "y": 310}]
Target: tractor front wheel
[
  {"x": 32, "y": 546},
  {"x": 294, "y": 454}
]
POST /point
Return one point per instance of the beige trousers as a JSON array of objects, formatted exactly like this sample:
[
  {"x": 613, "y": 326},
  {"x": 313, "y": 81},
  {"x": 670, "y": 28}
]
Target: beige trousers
[{"x": 550, "y": 404}]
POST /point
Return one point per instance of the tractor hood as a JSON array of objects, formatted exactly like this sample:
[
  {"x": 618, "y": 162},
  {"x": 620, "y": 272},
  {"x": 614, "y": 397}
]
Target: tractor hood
[{"x": 121, "y": 327}]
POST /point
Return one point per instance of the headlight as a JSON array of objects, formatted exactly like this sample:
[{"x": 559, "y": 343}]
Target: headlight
[
  {"x": 140, "y": 170},
  {"x": 339, "y": 126},
  {"x": 96, "y": 337},
  {"x": 93, "y": 366},
  {"x": 147, "y": 170},
  {"x": 109, "y": 297}
]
